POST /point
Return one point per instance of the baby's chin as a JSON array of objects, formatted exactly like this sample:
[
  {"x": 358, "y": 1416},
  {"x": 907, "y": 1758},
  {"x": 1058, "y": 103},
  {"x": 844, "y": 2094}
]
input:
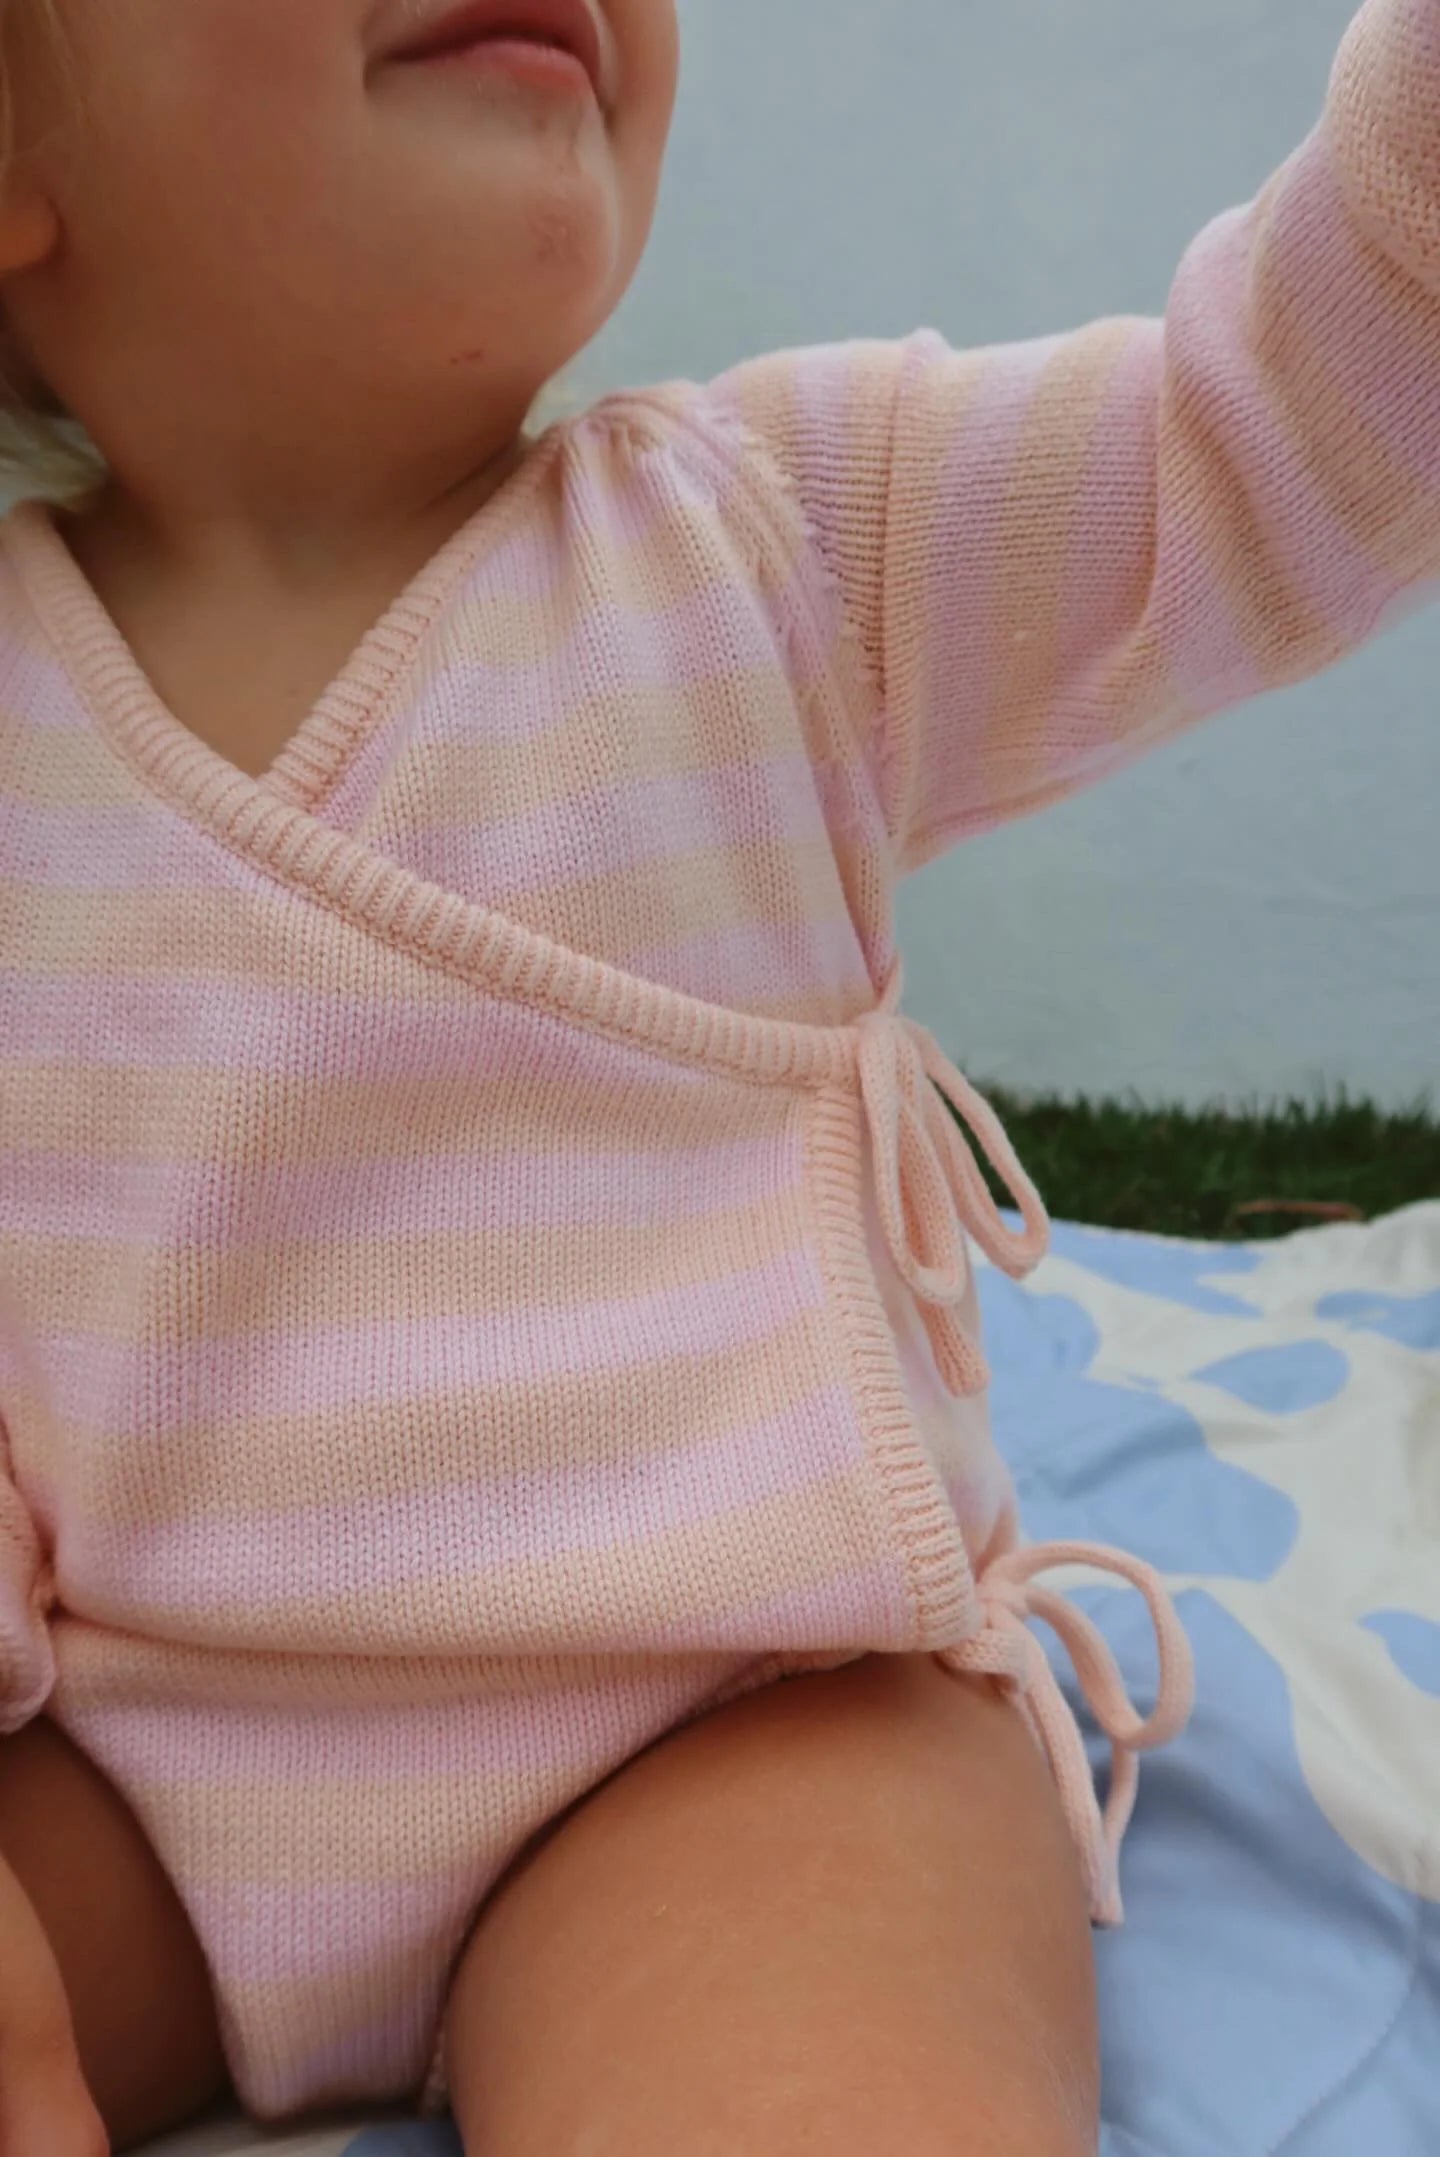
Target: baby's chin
[
  {"x": 541, "y": 190},
  {"x": 521, "y": 193},
  {"x": 511, "y": 292}
]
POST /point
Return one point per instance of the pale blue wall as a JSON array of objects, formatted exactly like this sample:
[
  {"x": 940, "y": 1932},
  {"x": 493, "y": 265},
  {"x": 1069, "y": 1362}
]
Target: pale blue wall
[{"x": 1256, "y": 909}]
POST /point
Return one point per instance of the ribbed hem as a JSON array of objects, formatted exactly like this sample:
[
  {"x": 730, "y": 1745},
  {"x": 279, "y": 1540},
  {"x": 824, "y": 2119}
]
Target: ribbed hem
[{"x": 927, "y": 1533}]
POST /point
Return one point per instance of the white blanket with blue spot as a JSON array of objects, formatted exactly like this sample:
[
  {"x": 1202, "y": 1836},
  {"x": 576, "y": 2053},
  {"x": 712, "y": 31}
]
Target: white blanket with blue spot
[{"x": 1263, "y": 1424}]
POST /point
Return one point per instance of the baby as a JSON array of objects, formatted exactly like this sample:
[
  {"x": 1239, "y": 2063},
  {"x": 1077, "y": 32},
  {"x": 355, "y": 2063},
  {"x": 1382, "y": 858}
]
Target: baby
[{"x": 507, "y": 1596}]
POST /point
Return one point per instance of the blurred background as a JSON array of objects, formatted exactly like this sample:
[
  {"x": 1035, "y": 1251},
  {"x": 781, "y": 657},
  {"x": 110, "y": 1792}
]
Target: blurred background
[{"x": 1254, "y": 912}]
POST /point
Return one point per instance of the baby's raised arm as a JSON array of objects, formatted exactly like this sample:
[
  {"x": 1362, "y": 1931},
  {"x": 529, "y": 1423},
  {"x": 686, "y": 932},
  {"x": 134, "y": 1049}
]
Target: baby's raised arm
[{"x": 1058, "y": 553}]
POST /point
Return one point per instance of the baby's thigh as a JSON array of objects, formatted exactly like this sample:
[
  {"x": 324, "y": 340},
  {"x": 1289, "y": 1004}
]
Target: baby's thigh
[
  {"x": 135, "y": 1979},
  {"x": 841, "y": 1914}
]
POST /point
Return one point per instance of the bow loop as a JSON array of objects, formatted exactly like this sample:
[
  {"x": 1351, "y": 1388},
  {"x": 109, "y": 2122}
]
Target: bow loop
[
  {"x": 928, "y": 1184},
  {"x": 1006, "y": 1648}
]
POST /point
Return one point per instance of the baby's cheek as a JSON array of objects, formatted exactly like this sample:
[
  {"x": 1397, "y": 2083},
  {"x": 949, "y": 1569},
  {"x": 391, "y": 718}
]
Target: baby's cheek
[
  {"x": 648, "y": 35},
  {"x": 250, "y": 72},
  {"x": 254, "y": 42}
]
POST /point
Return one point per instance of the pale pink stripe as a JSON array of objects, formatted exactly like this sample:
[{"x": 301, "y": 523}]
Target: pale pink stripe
[
  {"x": 272, "y": 1557},
  {"x": 537, "y": 565},
  {"x": 635, "y": 509},
  {"x": 1388, "y": 376},
  {"x": 430, "y": 1193},
  {"x": 1210, "y": 666},
  {"x": 39, "y": 692},
  {"x": 1343, "y": 586},
  {"x": 978, "y": 1491},
  {"x": 609, "y": 830},
  {"x": 150, "y": 1022},
  {"x": 592, "y": 511},
  {"x": 719, "y": 635},
  {"x": 325, "y": 1370},
  {"x": 122, "y": 849},
  {"x": 752, "y": 963},
  {"x": 533, "y": 565},
  {"x": 1100, "y": 582}
]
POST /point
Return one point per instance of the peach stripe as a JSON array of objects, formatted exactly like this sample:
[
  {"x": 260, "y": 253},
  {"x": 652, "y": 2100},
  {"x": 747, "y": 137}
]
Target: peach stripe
[{"x": 544, "y": 1514}]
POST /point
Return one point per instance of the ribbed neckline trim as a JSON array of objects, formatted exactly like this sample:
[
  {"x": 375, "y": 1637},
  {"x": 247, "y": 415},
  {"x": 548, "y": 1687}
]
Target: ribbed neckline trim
[{"x": 264, "y": 821}]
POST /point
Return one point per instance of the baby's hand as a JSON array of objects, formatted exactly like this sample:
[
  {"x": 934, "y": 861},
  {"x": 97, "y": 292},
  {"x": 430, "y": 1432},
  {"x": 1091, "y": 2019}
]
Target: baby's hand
[{"x": 45, "y": 2108}]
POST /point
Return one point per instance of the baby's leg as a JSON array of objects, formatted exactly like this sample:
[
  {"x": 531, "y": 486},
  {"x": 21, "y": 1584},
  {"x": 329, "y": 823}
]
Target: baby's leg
[
  {"x": 839, "y": 1915},
  {"x": 136, "y": 1981}
]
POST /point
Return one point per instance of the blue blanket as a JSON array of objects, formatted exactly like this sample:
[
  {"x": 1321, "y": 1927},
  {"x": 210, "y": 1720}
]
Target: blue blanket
[{"x": 1262, "y": 1424}]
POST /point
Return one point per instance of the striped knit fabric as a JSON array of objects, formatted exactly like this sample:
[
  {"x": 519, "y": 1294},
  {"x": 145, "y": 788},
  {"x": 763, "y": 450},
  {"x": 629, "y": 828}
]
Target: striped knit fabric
[{"x": 482, "y": 1255}]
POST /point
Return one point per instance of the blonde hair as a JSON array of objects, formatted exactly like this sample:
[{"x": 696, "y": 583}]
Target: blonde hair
[{"x": 44, "y": 450}]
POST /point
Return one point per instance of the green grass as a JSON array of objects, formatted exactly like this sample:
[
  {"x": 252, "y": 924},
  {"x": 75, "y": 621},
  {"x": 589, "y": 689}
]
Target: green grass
[{"x": 1179, "y": 1172}]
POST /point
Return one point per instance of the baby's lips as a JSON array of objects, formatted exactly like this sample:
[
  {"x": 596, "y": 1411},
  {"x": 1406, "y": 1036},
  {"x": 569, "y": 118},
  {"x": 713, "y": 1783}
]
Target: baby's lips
[{"x": 422, "y": 29}]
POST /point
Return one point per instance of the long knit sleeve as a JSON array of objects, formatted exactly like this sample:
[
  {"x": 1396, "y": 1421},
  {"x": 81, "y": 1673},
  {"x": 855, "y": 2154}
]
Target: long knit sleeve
[
  {"x": 1061, "y": 552},
  {"x": 27, "y": 1668}
]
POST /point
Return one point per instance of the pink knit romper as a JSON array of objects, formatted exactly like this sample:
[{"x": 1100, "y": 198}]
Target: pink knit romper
[{"x": 484, "y": 1256}]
